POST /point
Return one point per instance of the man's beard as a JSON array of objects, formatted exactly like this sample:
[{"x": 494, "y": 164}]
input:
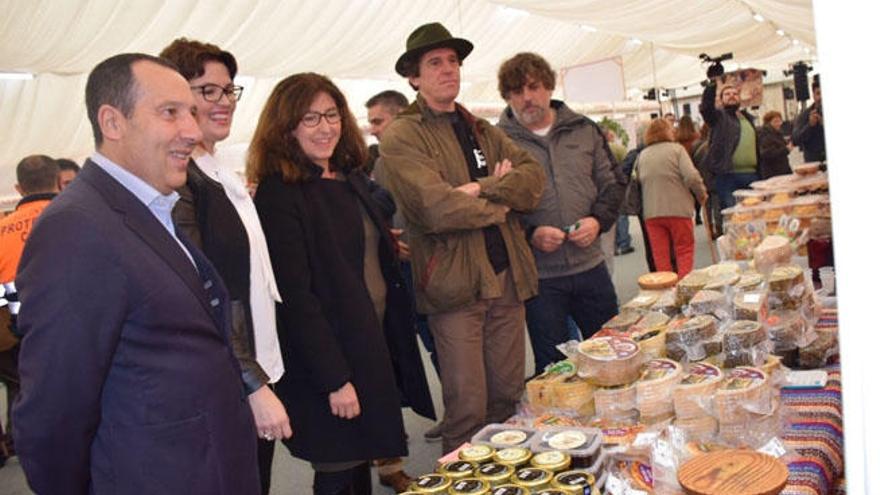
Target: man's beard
[
  {"x": 533, "y": 115},
  {"x": 732, "y": 107}
]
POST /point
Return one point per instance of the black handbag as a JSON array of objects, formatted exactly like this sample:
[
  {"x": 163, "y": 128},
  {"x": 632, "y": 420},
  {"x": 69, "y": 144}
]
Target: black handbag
[{"x": 632, "y": 197}]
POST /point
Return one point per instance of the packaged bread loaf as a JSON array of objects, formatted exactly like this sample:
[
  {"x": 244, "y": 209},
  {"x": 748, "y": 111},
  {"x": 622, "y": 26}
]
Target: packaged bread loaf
[
  {"x": 741, "y": 395},
  {"x": 693, "y": 394},
  {"x": 688, "y": 286},
  {"x": 657, "y": 280},
  {"x": 537, "y": 388},
  {"x": 655, "y": 386},
  {"x": 750, "y": 305},
  {"x": 610, "y": 361}
]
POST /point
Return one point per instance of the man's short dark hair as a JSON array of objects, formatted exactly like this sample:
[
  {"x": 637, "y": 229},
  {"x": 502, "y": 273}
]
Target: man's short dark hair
[
  {"x": 67, "y": 164},
  {"x": 513, "y": 73},
  {"x": 394, "y": 101},
  {"x": 37, "y": 174},
  {"x": 816, "y": 82},
  {"x": 112, "y": 83}
]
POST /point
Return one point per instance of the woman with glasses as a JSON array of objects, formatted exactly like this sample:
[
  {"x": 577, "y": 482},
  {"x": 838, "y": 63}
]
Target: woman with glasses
[
  {"x": 345, "y": 322},
  {"x": 217, "y": 214}
]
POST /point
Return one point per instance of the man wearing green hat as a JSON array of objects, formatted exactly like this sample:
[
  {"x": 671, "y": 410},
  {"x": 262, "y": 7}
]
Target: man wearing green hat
[{"x": 458, "y": 182}]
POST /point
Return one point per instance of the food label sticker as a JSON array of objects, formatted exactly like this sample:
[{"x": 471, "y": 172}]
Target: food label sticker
[
  {"x": 613, "y": 485},
  {"x": 752, "y": 298},
  {"x": 551, "y": 457},
  {"x": 509, "y": 437},
  {"x": 567, "y": 440},
  {"x": 773, "y": 448}
]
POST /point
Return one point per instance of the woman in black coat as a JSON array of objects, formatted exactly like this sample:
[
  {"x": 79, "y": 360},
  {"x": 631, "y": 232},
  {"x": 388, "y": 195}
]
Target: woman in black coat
[
  {"x": 345, "y": 325},
  {"x": 772, "y": 146}
]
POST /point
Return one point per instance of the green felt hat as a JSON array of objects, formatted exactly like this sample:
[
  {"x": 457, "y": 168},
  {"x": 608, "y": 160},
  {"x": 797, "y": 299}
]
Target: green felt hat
[{"x": 426, "y": 38}]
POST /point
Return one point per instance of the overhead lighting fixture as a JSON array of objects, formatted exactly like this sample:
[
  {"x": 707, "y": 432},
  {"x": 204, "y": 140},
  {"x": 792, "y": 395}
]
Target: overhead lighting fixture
[
  {"x": 635, "y": 41},
  {"x": 587, "y": 28},
  {"x": 780, "y": 32},
  {"x": 795, "y": 42},
  {"x": 758, "y": 17},
  {"x": 16, "y": 76}
]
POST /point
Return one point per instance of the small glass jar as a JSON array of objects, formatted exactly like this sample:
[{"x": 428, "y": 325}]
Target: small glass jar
[
  {"x": 574, "y": 481},
  {"x": 552, "y": 460},
  {"x": 431, "y": 483},
  {"x": 532, "y": 478},
  {"x": 478, "y": 453},
  {"x": 513, "y": 456},
  {"x": 469, "y": 486},
  {"x": 495, "y": 473},
  {"x": 457, "y": 470},
  {"x": 510, "y": 489}
]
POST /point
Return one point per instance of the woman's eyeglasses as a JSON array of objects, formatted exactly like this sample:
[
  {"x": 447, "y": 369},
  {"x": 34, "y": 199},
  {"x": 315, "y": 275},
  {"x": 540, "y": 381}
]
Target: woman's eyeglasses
[
  {"x": 213, "y": 92},
  {"x": 312, "y": 119}
]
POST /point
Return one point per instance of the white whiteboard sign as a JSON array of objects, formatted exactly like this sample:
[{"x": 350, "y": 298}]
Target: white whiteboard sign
[{"x": 600, "y": 81}]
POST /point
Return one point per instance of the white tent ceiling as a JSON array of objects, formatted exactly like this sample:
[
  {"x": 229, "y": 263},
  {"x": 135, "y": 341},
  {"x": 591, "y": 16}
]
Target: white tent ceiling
[{"x": 357, "y": 42}]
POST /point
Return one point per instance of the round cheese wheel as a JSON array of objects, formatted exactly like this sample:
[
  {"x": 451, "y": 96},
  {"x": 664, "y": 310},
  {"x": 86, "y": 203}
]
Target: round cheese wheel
[
  {"x": 614, "y": 402},
  {"x": 740, "y": 387},
  {"x": 692, "y": 396},
  {"x": 722, "y": 281},
  {"x": 692, "y": 331},
  {"x": 698, "y": 428},
  {"x": 655, "y": 386},
  {"x": 623, "y": 321},
  {"x": 751, "y": 305},
  {"x": 707, "y": 302},
  {"x": 786, "y": 329},
  {"x": 692, "y": 283},
  {"x": 657, "y": 280},
  {"x": 610, "y": 361},
  {"x": 742, "y": 334},
  {"x": 733, "y": 472},
  {"x": 784, "y": 278},
  {"x": 642, "y": 302}
]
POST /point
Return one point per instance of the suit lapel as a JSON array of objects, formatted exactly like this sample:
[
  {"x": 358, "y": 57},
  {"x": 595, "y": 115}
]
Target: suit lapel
[{"x": 144, "y": 224}]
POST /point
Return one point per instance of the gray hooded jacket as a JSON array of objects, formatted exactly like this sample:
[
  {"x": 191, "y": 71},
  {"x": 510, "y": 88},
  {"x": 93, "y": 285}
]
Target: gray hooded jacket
[{"x": 582, "y": 180}]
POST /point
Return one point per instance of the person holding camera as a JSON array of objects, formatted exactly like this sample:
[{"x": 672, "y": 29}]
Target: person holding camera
[
  {"x": 733, "y": 154},
  {"x": 809, "y": 128}
]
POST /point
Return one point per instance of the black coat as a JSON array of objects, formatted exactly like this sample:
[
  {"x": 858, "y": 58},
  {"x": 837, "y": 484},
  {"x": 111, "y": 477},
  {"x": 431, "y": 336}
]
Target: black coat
[
  {"x": 725, "y": 133},
  {"x": 327, "y": 324},
  {"x": 774, "y": 153}
]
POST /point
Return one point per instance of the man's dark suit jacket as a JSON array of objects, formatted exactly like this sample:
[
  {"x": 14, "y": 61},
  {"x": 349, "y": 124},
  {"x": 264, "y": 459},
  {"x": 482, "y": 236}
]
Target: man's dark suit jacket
[{"x": 128, "y": 384}]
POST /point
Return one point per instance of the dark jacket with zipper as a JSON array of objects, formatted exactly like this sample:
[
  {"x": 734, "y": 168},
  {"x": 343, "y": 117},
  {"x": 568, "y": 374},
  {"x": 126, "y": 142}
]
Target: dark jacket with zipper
[
  {"x": 725, "y": 133},
  {"x": 327, "y": 325},
  {"x": 774, "y": 153},
  {"x": 583, "y": 180}
]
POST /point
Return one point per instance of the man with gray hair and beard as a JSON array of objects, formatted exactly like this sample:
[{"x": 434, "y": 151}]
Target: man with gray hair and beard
[{"x": 581, "y": 200}]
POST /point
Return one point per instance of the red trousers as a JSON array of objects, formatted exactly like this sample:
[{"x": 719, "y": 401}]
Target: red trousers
[{"x": 677, "y": 232}]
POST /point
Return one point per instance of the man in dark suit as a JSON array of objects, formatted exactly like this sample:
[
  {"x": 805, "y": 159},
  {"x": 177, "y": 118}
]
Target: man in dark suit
[{"x": 128, "y": 383}]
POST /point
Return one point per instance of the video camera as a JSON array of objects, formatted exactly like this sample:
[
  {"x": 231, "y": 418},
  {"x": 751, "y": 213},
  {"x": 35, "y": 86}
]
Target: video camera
[{"x": 715, "y": 69}]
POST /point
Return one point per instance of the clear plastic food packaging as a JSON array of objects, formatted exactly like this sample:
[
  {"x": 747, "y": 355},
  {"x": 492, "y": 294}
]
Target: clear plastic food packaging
[{"x": 610, "y": 361}]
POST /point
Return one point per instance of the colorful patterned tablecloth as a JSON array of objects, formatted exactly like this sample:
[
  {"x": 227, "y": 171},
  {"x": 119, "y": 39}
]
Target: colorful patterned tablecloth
[{"x": 814, "y": 438}]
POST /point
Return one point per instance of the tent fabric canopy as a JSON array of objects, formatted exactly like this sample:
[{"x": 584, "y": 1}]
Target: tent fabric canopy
[{"x": 357, "y": 42}]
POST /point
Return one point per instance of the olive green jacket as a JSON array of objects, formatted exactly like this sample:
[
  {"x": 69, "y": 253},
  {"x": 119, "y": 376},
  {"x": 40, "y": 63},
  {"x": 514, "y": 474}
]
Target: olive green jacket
[{"x": 422, "y": 164}]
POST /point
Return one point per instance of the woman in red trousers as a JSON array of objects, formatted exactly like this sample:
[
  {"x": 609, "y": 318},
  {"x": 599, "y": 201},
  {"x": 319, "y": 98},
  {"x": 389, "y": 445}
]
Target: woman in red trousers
[{"x": 669, "y": 183}]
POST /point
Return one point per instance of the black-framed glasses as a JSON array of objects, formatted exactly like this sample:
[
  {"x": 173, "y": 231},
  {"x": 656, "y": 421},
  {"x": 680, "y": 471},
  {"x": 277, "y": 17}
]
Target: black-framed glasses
[
  {"x": 213, "y": 92},
  {"x": 312, "y": 119}
]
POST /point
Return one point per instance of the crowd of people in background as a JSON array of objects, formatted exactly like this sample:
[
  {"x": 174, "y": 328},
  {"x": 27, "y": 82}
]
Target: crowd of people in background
[{"x": 165, "y": 312}]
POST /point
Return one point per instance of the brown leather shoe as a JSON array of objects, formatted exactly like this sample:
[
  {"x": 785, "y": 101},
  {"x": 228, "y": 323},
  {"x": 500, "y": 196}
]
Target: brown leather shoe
[{"x": 398, "y": 480}]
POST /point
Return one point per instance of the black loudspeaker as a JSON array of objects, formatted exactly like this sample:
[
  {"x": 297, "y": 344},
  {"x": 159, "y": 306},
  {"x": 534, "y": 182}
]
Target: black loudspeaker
[
  {"x": 801, "y": 81},
  {"x": 686, "y": 108},
  {"x": 787, "y": 93}
]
